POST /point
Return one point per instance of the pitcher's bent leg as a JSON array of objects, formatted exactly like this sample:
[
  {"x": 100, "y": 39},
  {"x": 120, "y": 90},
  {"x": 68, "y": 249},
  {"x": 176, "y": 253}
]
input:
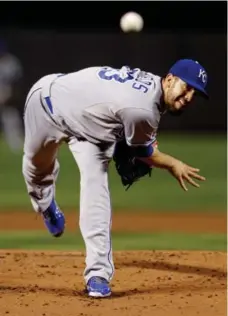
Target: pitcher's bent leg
[
  {"x": 42, "y": 140},
  {"x": 40, "y": 182},
  {"x": 40, "y": 172},
  {"x": 95, "y": 209}
]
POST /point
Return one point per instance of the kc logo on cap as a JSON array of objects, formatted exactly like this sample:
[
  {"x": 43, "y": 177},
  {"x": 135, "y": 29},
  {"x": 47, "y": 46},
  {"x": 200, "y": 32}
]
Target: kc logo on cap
[{"x": 202, "y": 75}]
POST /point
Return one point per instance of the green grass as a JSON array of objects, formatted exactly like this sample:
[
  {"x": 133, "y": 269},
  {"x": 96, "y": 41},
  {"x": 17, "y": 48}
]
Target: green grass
[
  {"x": 161, "y": 192},
  {"x": 37, "y": 240}
]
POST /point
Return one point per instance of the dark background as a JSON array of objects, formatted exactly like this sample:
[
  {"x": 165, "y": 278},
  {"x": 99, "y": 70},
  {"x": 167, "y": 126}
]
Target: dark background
[{"x": 66, "y": 36}]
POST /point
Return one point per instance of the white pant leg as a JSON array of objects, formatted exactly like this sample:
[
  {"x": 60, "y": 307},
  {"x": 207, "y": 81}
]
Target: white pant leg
[
  {"x": 95, "y": 207},
  {"x": 40, "y": 164}
]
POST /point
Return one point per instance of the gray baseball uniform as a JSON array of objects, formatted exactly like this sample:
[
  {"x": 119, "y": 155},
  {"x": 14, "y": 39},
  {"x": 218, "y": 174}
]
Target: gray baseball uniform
[{"x": 91, "y": 110}]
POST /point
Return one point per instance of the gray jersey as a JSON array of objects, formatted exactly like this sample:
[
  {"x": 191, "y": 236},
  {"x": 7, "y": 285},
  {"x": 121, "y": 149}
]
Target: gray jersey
[{"x": 102, "y": 104}]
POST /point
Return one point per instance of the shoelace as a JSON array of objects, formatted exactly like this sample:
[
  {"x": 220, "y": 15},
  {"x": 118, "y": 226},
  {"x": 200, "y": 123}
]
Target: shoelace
[
  {"x": 52, "y": 215},
  {"x": 99, "y": 280}
]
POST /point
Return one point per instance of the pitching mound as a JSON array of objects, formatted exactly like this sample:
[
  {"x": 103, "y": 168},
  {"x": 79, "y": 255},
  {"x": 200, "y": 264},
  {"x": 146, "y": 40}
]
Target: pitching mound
[{"x": 146, "y": 283}]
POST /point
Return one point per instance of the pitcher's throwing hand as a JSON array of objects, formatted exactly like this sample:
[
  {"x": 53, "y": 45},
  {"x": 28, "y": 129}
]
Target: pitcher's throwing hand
[{"x": 183, "y": 172}]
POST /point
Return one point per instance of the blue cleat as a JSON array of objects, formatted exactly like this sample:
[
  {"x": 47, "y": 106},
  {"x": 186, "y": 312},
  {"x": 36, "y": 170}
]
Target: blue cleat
[
  {"x": 54, "y": 219},
  {"x": 98, "y": 287}
]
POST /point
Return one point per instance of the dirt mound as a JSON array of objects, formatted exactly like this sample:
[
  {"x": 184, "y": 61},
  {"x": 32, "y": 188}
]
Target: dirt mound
[{"x": 145, "y": 283}]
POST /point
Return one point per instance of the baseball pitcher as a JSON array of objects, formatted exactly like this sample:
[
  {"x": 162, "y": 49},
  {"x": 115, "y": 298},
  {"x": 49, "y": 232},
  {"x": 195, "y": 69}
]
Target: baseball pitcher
[{"x": 102, "y": 113}]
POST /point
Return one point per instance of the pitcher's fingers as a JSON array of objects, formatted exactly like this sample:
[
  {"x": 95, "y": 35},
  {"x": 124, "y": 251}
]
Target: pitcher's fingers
[
  {"x": 196, "y": 176},
  {"x": 182, "y": 184},
  {"x": 194, "y": 169},
  {"x": 192, "y": 182}
]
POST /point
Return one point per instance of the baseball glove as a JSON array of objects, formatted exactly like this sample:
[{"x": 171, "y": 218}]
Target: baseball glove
[{"x": 129, "y": 168}]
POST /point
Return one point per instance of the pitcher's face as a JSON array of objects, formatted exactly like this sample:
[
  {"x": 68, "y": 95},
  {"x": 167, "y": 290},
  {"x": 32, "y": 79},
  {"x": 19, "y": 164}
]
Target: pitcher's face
[{"x": 177, "y": 93}]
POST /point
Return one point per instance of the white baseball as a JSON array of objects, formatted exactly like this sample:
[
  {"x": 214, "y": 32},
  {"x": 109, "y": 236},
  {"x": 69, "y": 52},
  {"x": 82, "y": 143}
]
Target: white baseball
[{"x": 131, "y": 22}]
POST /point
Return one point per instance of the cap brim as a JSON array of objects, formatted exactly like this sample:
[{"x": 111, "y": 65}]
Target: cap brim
[{"x": 198, "y": 88}]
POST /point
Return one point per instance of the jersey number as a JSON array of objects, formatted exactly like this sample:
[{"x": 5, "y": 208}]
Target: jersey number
[{"x": 123, "y": 76}]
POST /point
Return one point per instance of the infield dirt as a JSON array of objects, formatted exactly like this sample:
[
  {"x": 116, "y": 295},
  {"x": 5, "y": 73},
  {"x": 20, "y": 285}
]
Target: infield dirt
[{"x": 173, "y": 283}]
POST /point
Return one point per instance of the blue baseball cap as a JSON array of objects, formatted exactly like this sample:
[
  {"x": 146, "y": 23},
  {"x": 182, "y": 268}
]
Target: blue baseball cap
[{"x": 191, "y": 72}]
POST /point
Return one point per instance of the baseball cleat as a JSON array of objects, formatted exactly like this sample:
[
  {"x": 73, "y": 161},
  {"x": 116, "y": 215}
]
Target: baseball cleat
[
  {"x": 54, "y": 219},
  {"x": 98, "y": 287}
]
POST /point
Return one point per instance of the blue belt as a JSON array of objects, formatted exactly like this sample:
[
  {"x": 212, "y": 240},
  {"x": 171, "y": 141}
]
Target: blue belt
[
  {"x": 49, "y": 104},
  {"x": 47, "y": 99}
]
